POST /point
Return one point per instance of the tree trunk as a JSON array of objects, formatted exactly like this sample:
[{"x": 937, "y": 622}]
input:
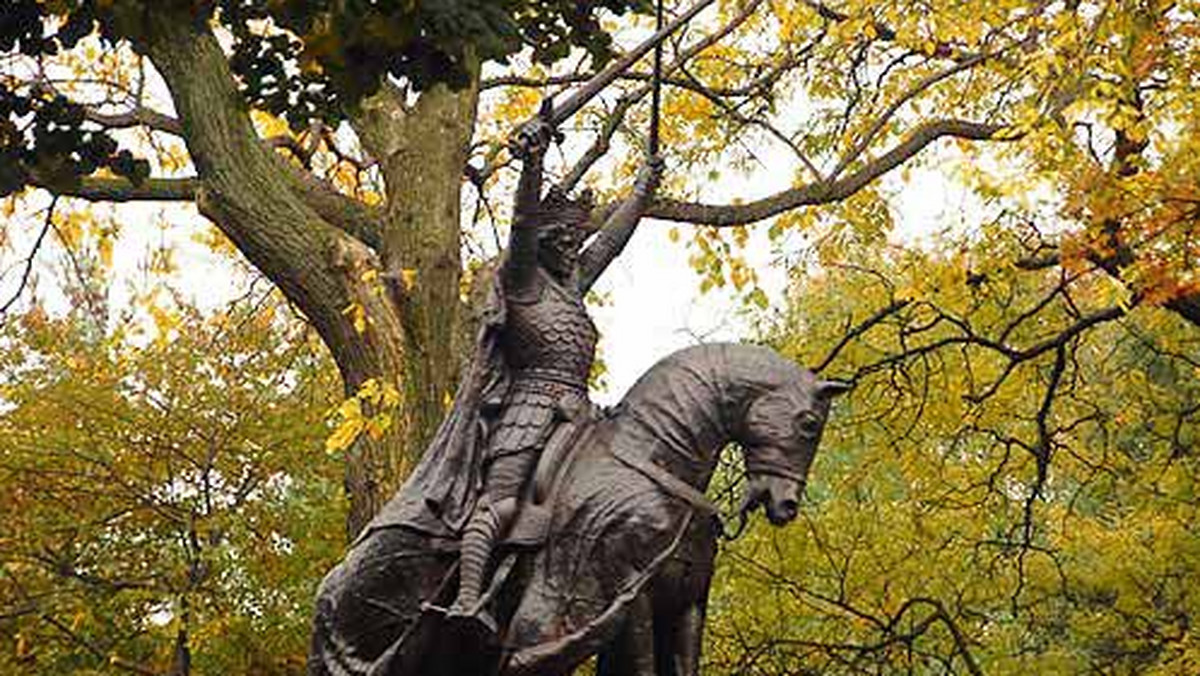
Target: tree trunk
[
  {"x": 422, "y": 150},
  {"x": 310, "y": 242}
]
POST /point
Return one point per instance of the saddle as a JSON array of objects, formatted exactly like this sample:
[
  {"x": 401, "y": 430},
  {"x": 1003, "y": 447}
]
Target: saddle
[{"x": 532, "y": 524}]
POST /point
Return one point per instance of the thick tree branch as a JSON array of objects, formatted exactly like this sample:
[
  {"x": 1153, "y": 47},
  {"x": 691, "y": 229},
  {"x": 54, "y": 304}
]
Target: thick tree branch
[
  {"x": 355, "y": 218},
  {"x": 97, "y": 189},
  {"x": 822, "y": 192},
  {"x": 137, "y": 117},
  {"x": 1187, "y": 307},
  {"x": 351, "y": 216},
  {"x": 250, "y": 194}
]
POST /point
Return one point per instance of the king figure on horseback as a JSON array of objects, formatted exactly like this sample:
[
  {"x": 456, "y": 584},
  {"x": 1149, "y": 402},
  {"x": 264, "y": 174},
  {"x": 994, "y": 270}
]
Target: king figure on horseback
[{"x": 546, "y": 342}]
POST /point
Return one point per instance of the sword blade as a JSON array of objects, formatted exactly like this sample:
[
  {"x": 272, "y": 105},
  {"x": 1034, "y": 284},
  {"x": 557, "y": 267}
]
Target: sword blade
[{"x": 599, "y": 81}]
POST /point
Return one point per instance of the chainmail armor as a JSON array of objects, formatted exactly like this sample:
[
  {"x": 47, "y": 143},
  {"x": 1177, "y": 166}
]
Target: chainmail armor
[{"x": 549, "y": 343}]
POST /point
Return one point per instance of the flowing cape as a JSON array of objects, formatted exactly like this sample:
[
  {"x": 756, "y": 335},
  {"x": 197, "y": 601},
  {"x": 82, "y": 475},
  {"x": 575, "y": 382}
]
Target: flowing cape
[{"x": 438, "y": 497}]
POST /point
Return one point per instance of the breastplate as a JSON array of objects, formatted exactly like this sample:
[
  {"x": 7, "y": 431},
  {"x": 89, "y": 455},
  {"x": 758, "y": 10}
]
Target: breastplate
[{"x": 550, "y": 331}]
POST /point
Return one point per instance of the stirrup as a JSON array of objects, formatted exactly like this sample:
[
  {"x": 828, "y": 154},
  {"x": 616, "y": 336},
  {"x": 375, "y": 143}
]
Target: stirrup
[{"x": 477, "y": 621}]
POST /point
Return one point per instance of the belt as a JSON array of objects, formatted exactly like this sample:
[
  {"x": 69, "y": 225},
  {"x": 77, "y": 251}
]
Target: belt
[{"x": 548, "y": 375}]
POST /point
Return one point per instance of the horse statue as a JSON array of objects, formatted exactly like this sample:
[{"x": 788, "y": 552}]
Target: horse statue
[{"x": 625, "y": 557}]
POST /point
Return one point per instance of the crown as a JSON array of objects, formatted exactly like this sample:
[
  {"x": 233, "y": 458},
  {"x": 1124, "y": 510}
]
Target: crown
[{"x": 559, "y": 208}]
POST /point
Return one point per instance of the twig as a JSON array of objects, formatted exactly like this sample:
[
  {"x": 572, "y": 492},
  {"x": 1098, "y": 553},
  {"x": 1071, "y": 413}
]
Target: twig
[{"x": 37, "y": 245}]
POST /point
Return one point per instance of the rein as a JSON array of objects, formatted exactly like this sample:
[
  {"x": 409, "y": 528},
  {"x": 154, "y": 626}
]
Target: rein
[
  {"x": 682, "y": 490},
  {"x": 667, "y": 481}
]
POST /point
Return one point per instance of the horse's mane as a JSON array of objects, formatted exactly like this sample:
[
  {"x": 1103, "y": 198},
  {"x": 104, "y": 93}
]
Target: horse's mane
[
  {"x": 686, "y": 398},
  {"x": 719, "y": 365}
]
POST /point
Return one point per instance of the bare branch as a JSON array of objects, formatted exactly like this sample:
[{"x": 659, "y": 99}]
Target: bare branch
[
  {"x": 749, "y": 89},
  {"x": 567, "y": 107},
  {"x": 738, "y": 116},
  {"x": 37, "y": 245},
  {"x": 600, "y": 146},
  {"x": 1085, "y": 323},
  {"x": 95, "y": 650},
  {"x": 881, "y": 121},
  {"x": 886, "y": 33},
  {"x": 137, "y": 116},
  {"x": 861, "y": 328},
  {"x": 941, "y": 614},
  {"x": 823, "y": 192}
]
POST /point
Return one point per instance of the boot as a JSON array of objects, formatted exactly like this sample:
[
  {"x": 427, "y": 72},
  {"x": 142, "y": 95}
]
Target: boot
[{"x": 479, "y": 538}]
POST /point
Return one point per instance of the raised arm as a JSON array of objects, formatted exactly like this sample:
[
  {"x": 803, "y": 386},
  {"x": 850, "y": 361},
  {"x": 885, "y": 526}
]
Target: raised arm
[
  {"x": 529, "y": 145},
  {"x": 619, "y": 227}
]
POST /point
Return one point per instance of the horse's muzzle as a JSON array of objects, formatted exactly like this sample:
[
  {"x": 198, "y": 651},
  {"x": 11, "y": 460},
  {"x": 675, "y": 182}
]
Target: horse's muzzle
[{"x": 779, "y": 497}]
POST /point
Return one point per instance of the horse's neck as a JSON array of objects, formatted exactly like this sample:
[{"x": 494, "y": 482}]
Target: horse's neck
[{"x": 678, "y": 418}]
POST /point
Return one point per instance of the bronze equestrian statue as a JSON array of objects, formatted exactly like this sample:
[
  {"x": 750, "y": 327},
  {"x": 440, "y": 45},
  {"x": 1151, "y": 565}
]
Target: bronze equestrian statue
[
  {"x": 604, "y": 537},
  {"x": 623, "y": 564}
]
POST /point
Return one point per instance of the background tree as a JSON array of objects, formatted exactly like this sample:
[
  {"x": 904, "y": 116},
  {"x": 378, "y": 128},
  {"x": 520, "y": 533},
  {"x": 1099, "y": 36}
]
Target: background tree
[
  {"x": 164, "y": 509},
  {"x": 1011, "y": 488},
  {"x": 77, "y": 71}
]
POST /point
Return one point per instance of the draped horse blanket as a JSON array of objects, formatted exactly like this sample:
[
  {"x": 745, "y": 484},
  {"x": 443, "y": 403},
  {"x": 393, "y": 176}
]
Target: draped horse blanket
[
  {"x": 613, "y": 527},
  {"x": 611, "y": 530}
]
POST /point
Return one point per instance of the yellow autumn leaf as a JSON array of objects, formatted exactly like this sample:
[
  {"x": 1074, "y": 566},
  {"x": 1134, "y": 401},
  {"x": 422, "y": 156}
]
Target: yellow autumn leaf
[
  {"x": 391, "y": 396},
  {"x": 104, "y": 249},
  {"x": 369, "y": 391},
  {"x": 358, "y": 316},
  {"x": 350, "y": 409},
  {"x": 345, "y": 435}
]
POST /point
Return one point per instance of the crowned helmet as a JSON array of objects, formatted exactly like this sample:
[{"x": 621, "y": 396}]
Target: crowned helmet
[{"x": 558, "y": 210}]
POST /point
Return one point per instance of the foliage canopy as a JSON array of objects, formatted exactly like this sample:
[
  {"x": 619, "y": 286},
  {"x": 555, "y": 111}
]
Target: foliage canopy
[
  {"x": 332, "y": 55},
  {"x": 970, "y": 514}
]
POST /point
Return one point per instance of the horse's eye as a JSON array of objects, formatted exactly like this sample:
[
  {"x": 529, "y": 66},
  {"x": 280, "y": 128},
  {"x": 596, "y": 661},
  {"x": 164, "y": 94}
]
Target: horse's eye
[{"x": 808, "y": 425}]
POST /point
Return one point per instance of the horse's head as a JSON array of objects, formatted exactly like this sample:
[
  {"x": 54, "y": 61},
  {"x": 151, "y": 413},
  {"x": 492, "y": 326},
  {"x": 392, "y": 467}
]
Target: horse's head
[{"x": 779, "y": 434}]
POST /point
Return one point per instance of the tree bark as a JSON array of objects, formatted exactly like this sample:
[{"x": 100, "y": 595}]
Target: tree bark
[
  {"x": 269, "y": 212},
  {"x": 422, "y": 149}
]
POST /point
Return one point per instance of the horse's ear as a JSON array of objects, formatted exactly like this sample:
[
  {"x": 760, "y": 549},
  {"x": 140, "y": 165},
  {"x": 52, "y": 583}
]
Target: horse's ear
[{"x": 828, "y": 389}]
